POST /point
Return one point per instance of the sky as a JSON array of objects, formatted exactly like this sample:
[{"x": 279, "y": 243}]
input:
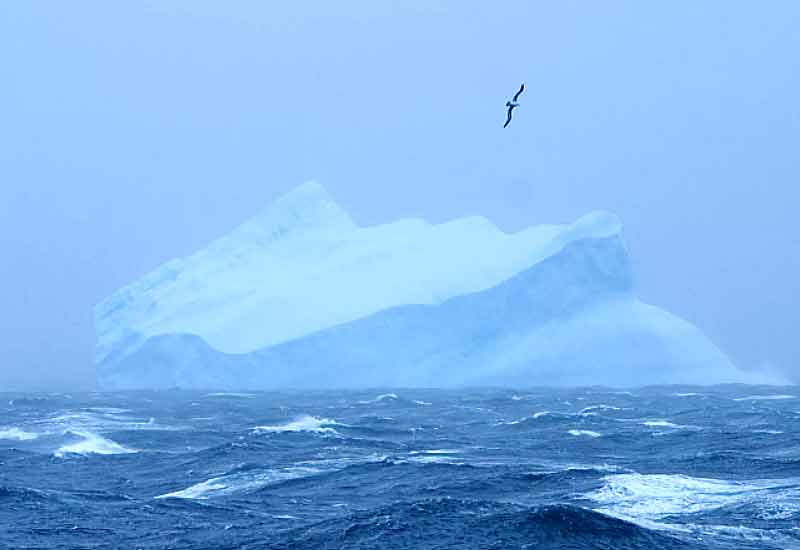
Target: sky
[{"x": 135, "y": 132}]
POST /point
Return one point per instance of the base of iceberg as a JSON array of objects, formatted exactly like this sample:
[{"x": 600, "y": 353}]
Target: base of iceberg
[{"x": 406, "y": 304}]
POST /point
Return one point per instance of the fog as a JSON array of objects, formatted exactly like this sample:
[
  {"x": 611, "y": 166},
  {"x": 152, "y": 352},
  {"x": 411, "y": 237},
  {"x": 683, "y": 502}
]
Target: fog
[{"x": 136, "y": 132}]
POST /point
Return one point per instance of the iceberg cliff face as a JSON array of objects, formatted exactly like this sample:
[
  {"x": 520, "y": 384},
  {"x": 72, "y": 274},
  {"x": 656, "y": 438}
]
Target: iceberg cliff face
[{"x": 300, "y": 296}]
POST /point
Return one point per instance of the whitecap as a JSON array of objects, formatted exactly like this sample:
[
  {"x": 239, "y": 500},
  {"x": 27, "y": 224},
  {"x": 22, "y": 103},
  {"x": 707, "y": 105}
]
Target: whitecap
[
  {"x": 382, "y": 397},
  {"x": 200, "y": 490},
  {"x": 304, "y": 423},
  {"x": 252, "y": 480},
  {"x": 586, "y": 410},
  {"x": 660, "y": 424},
  {"x": 422, "y": 402},
  {"x": 588, "y": 433},
  {"x": 429, "y": 459},
  {"x": 765, "y": 397},
  {"x": 436, "y": 452},
  {"x": 240, "y": 482},
  {"x": 91, "y": 421},
  {"x": 92, "y": 443},
  {"x": 108, "y": 410},
  {"x": 15, "y": 434},
  {"x": 534, "y": 416},
  {"x": 650, "y": 497},
  {"x": 231, "y": 394}
]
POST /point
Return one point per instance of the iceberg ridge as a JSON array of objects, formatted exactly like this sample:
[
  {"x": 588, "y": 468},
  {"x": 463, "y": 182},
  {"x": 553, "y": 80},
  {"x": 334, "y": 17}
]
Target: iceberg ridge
[{"x": 301, "y": 296}]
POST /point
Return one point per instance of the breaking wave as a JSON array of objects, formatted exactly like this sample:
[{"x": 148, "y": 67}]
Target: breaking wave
[
  {"x": 382, "y": 397},
  {"x": 779, "y": 397},
  {"x": 303, "y": 423},
  {"x": 15, "y": 434},
  {"x": 91, "y": 443},
  {"x": 587, "y": 433},
  {"x": 239, "y": 482}
]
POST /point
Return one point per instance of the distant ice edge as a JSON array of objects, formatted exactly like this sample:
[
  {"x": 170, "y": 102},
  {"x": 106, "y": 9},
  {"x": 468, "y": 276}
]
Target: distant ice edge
[{"x": 568, "y": 316}]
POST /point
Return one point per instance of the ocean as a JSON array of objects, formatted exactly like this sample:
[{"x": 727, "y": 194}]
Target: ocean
[{"x": 648, "y": 468}]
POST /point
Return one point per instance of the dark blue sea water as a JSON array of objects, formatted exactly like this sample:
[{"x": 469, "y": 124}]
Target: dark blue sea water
[{"x": 667, "y": 467}]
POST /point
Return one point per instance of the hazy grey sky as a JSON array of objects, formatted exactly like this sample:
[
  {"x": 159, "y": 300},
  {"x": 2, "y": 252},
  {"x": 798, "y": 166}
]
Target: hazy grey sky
[{"x": 132, "y": 132}]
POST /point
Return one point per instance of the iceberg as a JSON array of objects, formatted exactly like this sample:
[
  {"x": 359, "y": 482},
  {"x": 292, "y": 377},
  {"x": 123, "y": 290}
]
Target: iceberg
[{"x": 301, "y": 296}]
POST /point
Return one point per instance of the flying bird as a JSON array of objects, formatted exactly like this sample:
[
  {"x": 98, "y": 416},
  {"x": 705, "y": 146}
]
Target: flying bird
[{"x": 513, "y": 103}]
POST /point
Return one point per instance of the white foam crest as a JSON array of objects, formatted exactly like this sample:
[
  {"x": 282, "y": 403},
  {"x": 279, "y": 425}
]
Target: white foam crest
[
  {"x": 765, "y": 397},
  {"x": 231, "y": 394},
  {"x": 436, "y": 456},
  {"x": 15, "y": 434},
  {"x": 419, "y": 402},
  {"x": 108, "y": 410},
  {"x": 587, "y": 433},
  {"x": 93, "y": 421},
  {"x": 382, "y": 397},
  {"x": 740, "y": 532},
  {"x": 590, "y": 408},
  {"x": 242, "y": 482},
  {"x": 92, "y": 443},
  {"x": 436, "y": 452},
  {"x": 660, "y": 424},
  {"x": 305, "y": 423},
  {"x": 653, "y": 496},
  {"x": 688, "y": 394},
  {"x": 517, "y": 397},
  {"x": 534, "y": 416}
]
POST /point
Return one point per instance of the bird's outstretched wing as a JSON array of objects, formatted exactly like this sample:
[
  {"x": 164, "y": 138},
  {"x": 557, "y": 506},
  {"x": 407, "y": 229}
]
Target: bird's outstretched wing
[
  {"x": 508, "y": 120},
  {"x": 516, "y": 95}
]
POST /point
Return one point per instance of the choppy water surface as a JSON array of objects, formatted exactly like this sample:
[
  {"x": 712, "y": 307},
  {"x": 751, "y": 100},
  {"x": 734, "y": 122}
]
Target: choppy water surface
[{"x": 669, "y": 467}]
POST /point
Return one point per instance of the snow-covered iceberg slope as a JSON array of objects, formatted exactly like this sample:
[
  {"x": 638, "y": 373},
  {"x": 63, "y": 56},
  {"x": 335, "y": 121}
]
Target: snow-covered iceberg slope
[{"x": 300, "y": 296}]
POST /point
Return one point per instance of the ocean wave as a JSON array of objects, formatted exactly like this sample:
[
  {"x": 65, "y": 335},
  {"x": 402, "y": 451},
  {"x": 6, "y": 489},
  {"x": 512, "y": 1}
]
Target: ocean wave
[
  {"x": 240, "y": 482},
  {"x": 660, "y": 424},
  {"x": 536, "y": 416},
  {"x": 652, "y": 497},
  {"x": 92, "y": 443},
  {"x": 103, "y": 419},
  {"x": 587, "y": 410},
  {"x": 587, "y": 433},
  {"x": 436, "y": 456},
  {"x": 15, "y": 434},
  {"x": 23, "y": 495},
  {"x": 305, "y": 423},
  {"x": 382, "y": 397},
  {"x": 667, "y": 424},
  {"x": 779, "y": 397},
  {"x": 250, "y": 477},
  {"x": 463, "y": 523},
  {"x": 436, "y": 452},
  {"x": 107, "y": 410}
]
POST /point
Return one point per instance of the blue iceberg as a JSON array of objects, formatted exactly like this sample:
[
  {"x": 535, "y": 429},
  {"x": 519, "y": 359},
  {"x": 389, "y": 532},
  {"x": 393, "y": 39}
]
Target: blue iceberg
[{"x": 301, "y": 296}]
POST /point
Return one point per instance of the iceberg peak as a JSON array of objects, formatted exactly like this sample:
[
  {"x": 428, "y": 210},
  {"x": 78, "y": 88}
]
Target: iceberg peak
[
  {"x": 301, "y": 296},
  {"x": 306, "y": 208}
]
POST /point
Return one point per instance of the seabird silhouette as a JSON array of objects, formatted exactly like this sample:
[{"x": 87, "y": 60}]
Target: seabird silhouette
[{"x": 513, "y": 103}]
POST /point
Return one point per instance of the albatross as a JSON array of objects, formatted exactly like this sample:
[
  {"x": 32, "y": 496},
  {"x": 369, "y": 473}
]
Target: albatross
[{"x": 513, "y": 103}]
